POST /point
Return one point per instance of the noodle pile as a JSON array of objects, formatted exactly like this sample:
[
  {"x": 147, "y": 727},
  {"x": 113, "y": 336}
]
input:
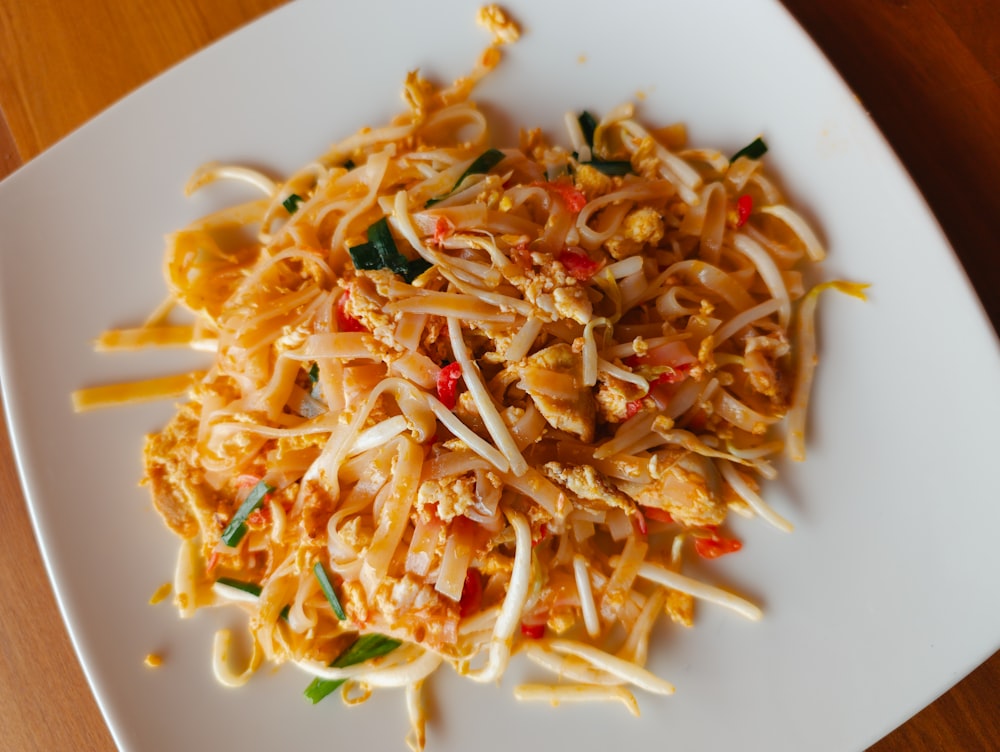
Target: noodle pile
[{"x": 467, "y": 402}]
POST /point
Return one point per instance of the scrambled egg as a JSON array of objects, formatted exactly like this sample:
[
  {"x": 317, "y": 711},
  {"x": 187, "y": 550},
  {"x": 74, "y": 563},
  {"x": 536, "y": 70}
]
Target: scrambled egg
[
  {"x": 642, "y": 226},
  {"x": 180, "y": 493},
  {"x": 591, "y": 182},
  {"x": 575, "y": 413},
  {"x": 613, "y": 397},
  {"x": 451, "y": 496},
  {"x": 493, "y": 17},
  {"x": 681, "y": 488},
  {"x": 588, "y": 487}
]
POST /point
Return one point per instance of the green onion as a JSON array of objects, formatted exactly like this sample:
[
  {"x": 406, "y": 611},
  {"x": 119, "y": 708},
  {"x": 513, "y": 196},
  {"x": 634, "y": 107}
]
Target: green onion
[
  {"x": 480, "y": 166},
  {"x": 380, "y": 252},
  {"x": 237, "y": 526},
  {"x": 416, "y": 267},
  {"x": 246, "y": 587},
  {"x": 380, "y": 236},
  {"x": 611, "y": 166},
  {"x": 327, "y": 587},
  {"x": 365, "y": 648},
  {"x": 314, "y": 373},
  {"x": 365, "y": 256},
  {"x": 249, "y": 587},
  {"x": 291, "y": 203},
  {"x": 588, "y": 125},
  {"x": 754, "y": 150}
]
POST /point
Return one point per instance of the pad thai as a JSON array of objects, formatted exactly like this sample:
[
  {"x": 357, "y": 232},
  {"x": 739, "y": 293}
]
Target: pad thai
[{"x": 467, "y": 402}]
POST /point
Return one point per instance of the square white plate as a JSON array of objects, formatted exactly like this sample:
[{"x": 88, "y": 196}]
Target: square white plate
[{"x": 881, "y": 599}]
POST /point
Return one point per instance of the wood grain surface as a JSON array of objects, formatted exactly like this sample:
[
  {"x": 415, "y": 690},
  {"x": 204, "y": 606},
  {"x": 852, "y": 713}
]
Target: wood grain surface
[{"x": 927, "y": 71}]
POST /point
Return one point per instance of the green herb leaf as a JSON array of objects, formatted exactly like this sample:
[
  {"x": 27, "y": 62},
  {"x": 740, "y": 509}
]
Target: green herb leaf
[
  {"x": 365, "y": 648},
  {"x": 588, "y": 124},
  {"x": 291, "y": 203},
  {"x": 314, "y": 373},
  {"x": 754, "y": 150},
  {"x": 327, "y": 587},
  {"x": 480, "y": 166},
  {"x": 237, "y": 526}
]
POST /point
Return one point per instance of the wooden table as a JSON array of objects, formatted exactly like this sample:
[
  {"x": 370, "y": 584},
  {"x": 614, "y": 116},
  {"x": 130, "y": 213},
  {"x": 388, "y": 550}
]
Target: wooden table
[{"x": 926, "y": 69}]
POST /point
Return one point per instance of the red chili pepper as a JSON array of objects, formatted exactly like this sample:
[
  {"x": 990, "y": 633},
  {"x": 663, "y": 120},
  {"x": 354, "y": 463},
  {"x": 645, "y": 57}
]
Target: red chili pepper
[
  {"x": 345, "y": 321},
  {"x": 543, "y": 533},
  {"x": 674, "y": 375},
  {"x": 213, "y": 562},
  {"x": 573, "y": 198},
  {"x": 472, "y": 593},
  {"x": 533, "y": 631},
  {"x": 259, "y": 517},
  {"x": 632, "y": 408},
  {"x": 744, "y": 205},
  {"x": 442, "y": 229},
  {"x": 578, "y": 264},
  {"x": 447, "y": 384},
  {"x": 246, "y": 480},
  {"x": 640, "y": 521},
  {"x": 714, "y": 547},
  {"x": 655, "y": 513}
]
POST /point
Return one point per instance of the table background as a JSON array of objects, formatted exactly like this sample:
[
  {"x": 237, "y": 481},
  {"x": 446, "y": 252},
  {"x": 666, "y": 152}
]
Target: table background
[{"x": 927, "y": 70}]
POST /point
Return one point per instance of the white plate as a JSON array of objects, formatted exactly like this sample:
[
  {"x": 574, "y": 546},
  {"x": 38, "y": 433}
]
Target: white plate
[{"x": 879, "y": 601}]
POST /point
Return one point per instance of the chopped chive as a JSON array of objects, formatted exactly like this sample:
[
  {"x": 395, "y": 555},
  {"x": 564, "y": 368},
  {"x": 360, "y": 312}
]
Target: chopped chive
[
  {"x": 381, "y": 252},
  {"x": 291, "y": 203},
  {"x": 365, "y": 648},
  {"x": 327, "y": 587},
  {"x": 249, "y": 587},
  {"x": 588, "y": 125},
  {"x": 754, "y": 150},
  {"x": 246, "y": 587},
  {"x": 237, "y": 526},
  {"x": 380, "y": 236},
  {"x": 365, "y": 256},
  {"x": 612, "y": 166},
  {"x": 480, "y": 166},
  {"x": 314, "y": 373},
  {"x": 416, "y": 267}
]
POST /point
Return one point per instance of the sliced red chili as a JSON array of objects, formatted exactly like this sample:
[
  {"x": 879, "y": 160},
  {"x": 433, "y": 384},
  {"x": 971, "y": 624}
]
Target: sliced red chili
[
  {"x": 578, "y": 264},
  {"x": 714, "y": 547},
  {"x": 744, "y": 205},
  {"x": 472, "y": 593},
  {"x": 345, "y": 321},
  {"x": 574, "y": 199},
  {"x": 655, "y": 513},
  {"x": 632, "y": 408},
  {"x": 447, "y": 384},
  {"x": 533, "y": 631},
  {"x": 442, "y": 229}
]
